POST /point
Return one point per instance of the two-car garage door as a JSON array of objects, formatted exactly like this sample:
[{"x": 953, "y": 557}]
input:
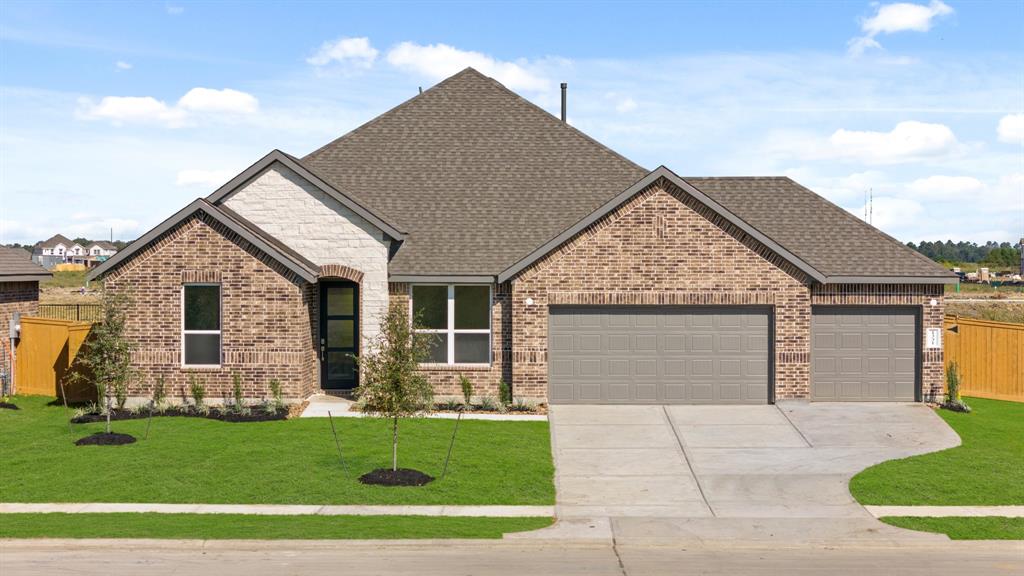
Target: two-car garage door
[
  {"x": 659, "y": 354},
  {"x": 722, "y": 355}
]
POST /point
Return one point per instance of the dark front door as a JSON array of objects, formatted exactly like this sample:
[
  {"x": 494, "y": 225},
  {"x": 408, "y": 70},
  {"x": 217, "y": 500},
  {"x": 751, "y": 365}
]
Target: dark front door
[{"x": 339, "y": 335}]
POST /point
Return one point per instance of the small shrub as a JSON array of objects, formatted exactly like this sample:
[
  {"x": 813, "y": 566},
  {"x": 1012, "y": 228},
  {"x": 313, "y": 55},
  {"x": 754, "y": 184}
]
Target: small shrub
[
  {"x": 488, "y": 404},
  {"x": 159, "y": 391},
  {"x": 504, "y": 393},
  {"x": 449, "y": 405},
  {"x": 276, "y": 394},
  {"x": 521, "y": 405},
  {"x": 197, "y": 390},
  {"x": 467, "y": 390},
  {"x": 236, "y": 391},
  {"x": 953, "y": 400}
]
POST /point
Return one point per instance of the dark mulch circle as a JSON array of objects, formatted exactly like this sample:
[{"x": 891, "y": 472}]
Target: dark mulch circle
[
  {"x": 104, "y": 439},
  {"x": 8, "y": 406},
  {"x": 400, "y": 477}
]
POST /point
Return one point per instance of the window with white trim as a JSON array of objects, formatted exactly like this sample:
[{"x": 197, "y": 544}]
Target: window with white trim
[
  {"x": 200, "y": 325},
  {"x": 459, "y": 315}
]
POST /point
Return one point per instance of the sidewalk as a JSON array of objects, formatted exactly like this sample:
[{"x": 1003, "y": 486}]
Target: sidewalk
[
  {"x": 282, "y": 509},
  {"x": 320, "y": 404},
  {"x": 946, "y": 511}
]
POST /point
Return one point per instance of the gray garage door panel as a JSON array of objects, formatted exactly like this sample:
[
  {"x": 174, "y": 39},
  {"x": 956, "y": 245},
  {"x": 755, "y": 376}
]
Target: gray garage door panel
[
  {"x": 644, "y": 355},
  {"x": 864, "y": 354}
]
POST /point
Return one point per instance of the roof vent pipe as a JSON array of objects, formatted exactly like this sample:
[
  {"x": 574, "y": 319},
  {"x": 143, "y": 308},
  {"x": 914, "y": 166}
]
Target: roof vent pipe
[{"x": 564, "y": 86}]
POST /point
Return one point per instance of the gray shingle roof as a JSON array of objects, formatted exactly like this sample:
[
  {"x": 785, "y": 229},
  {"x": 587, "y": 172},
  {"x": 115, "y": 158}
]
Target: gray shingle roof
[
  {"x": 16, "y": 265},
  {"x": 54, "y": 240},
  {"x": 833, "y": 241},
  {"x": 475, "y": 174},
  {"x": 479, "y": 178}
]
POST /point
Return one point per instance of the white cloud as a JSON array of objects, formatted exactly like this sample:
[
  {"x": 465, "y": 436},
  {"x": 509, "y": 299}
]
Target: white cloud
[
  {"x": 175, "y": 10},
  {"x": 355, "y": 51},
  {"x": 437, "y": 61},
  {"x": 226, "y": 100},
  {"x": 204, "y": 178},
  {"x": 146, "y": 109},
  {"x": 122, "y": 65},
  {"x": 887, "y": 212},
  {"x": 946, "y": 188},
  {"x": 1011, "y": 129},
  {"x": 909, "y": 140},
  {"x": 121, "y": 109},
  {"x": 626, "y": 105},
  {"x": 898, "y": 17}
]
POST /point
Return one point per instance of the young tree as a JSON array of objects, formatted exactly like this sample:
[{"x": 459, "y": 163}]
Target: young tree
[
  {"x": 106, "y": 355},
  {"x": 391, "y": 385}
]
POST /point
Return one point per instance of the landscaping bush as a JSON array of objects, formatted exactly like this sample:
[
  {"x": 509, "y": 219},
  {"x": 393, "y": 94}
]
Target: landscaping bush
[
  {"x": 159, "y": 391},
  {"x": 505, "y": 393},
  {"x": 467, "y": 390},
  {"x": 198, "y": 391},
  {"x": 277, "y": 397},
  {"x": 953, "y": 400},
  {"x": 236, "y": 392}
]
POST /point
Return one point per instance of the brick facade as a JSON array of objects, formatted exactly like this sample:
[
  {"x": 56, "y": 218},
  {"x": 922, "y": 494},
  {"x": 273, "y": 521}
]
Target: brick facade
[
  {"x": 269, "y": 315},
  {"x": 661, "y": 247},
  {"x": 21, "y": 297}
]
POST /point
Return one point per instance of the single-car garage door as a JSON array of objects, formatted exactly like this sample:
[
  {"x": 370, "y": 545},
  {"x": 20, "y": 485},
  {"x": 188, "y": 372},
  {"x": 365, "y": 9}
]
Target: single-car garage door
[
  {"x": 655, "y": 354},
  {"x": 864, "y": 354}
]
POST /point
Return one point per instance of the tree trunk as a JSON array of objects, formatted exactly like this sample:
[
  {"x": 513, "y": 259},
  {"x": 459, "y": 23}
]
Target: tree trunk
[
  {"x": 394, "y": 445},
  {"x": 107, "y": 389}
]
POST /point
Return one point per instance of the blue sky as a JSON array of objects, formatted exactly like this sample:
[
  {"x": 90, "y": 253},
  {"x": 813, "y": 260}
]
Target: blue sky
[{"x": 116, "y": 115}]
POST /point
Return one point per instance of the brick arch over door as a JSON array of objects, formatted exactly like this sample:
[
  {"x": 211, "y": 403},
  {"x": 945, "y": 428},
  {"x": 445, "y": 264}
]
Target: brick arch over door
[{"x": 340, "y": 272}]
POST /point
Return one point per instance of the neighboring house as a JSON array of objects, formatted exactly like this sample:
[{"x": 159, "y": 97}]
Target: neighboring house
[
  {"x": 19, "y": 293},
  {"x": 538, "y": 257},
  {"x": 58, "y": 250}
]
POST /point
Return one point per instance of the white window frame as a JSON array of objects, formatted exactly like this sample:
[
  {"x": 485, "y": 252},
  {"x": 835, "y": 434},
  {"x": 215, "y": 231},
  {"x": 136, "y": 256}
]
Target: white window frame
[
  {"x": 451, "y": 331},
  {"x": 220, "y": 315}
]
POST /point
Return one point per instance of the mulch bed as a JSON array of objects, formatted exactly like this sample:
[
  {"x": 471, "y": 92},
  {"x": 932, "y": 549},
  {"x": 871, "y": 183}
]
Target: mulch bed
[
  {"x": 213, "y": 413},
  {"x": 400, "y": 477},
  {"x": 8, "y": 406},
  {"x": 104, "y": 439}
]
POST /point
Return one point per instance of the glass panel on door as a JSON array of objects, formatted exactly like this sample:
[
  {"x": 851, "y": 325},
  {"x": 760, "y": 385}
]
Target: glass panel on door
[{"x": 339, "y": 335}]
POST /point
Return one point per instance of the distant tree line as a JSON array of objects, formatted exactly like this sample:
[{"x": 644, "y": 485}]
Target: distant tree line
[{"x": 991, "y": 253}]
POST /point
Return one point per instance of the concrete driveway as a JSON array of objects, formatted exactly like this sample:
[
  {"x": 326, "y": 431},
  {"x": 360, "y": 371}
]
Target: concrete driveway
[{"x": 791, "y": 461}]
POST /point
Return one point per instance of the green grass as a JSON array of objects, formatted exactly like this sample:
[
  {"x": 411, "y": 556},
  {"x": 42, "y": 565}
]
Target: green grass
[
  {"x": 194, "y": 460},
  {"x": 245, "y": 527},
  {"x": 65, "y": 279},
  {"x": 966, "y": 528},
  {"x": 987, "y": 469}
]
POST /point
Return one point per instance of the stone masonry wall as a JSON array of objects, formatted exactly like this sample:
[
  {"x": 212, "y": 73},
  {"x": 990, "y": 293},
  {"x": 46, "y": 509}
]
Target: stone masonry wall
[
  {"x": 323, "y": 230},
  {"x": 661, "y": 247},
  {"x": 268, "y": 315}
]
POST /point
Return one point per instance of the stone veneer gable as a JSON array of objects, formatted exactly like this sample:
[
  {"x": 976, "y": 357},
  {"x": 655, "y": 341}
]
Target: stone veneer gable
[{"x": 323, "y": 230}]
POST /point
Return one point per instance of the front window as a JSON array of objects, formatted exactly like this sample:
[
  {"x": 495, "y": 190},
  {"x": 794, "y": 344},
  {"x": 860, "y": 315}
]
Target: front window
[
  {"x": 459, "y": 316},
  {"x": 201, "y": 325}
]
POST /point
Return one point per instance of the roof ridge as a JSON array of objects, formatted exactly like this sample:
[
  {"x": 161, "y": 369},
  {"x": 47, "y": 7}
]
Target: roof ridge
[
  {"x": 469, "y": 70},
  {"x": 398, "y": 106},
  {"x": 849, "y": 216}
]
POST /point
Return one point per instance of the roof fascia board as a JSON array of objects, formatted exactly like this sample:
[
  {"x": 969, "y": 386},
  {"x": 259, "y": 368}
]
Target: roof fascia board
[
  {"x": 660, "y": 172},
  {"x": 441, "y": 279},
  {"x": 200, "y": 205},
  {"x": 891, "y": 280},
  {"x": 25, "y": 277},
  {"x": 262, "y": 164}
]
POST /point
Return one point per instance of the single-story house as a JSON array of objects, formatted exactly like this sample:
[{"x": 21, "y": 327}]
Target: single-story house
[
  {"x": 19, "y": 294},
  {"x": 538, "y": 257}
]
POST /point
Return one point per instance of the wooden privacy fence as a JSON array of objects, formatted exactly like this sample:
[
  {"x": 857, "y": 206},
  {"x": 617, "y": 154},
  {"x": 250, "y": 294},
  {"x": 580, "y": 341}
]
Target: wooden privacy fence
[
  {"x": 45, "y": 355},
  {"x": 990, "y": 356}
]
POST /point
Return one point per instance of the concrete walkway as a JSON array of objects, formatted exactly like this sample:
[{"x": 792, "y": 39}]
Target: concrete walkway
[
  {"x": 946, "y": 511},
  {"x": 320, "y": 404},
  {"x": 696, "y": 471},
  {"x": 283, "y": 509}
]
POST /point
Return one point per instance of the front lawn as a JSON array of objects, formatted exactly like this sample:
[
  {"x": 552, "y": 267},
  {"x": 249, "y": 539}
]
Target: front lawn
[
  {"x": 966, "y": 528},
  {"x": 245, "y": 527},
  {"x": 986, "y": 470},
  {"x": 195, "y": 460}
]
